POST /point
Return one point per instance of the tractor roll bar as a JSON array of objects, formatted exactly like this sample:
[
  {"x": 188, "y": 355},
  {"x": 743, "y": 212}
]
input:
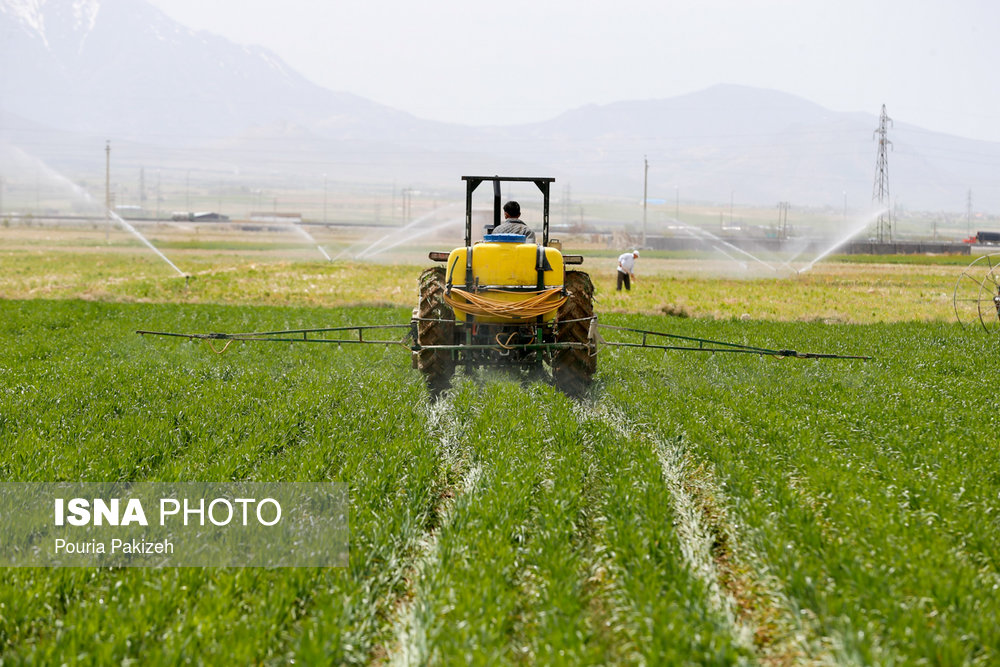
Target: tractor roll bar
[{"x": 473, "y": 182}]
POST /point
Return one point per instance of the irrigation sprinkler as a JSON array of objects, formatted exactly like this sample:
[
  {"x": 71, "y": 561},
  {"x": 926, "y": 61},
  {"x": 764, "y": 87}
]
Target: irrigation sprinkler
[
  {"x": 505, "y": 302},
  {"x": 149, "y": 244}
]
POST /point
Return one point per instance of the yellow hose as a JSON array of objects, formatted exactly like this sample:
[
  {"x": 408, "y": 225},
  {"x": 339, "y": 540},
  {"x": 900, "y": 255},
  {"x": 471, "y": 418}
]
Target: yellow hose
[{"x": 539, "y": 303}]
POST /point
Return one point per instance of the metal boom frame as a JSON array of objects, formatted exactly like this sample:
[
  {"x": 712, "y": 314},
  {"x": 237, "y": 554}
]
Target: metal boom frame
[
  {"x": 292, "y": 335},
  {"x": 692, "y": 343}
]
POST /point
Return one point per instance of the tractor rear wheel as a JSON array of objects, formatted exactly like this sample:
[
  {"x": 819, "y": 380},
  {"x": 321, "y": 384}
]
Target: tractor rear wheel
[
  {"x": 573, "y": 368},
  {"x": 435, "y": 326}
]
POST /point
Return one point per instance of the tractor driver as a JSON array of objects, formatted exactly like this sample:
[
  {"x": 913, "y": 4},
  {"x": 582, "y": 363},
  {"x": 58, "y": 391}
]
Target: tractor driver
[{"x": 512, "y": 222}]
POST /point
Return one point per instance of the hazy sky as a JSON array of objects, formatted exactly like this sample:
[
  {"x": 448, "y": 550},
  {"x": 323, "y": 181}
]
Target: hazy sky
[{"x": 933, "y": 63}]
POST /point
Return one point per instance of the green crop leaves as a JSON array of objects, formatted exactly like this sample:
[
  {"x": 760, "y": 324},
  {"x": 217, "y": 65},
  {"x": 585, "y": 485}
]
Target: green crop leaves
[
  {"x": 862, "y": 487},
  {"x": 694, "y": 508}
]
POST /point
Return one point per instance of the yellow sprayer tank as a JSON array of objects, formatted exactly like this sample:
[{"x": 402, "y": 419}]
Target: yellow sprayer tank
[{"x": 507, "y": 272}]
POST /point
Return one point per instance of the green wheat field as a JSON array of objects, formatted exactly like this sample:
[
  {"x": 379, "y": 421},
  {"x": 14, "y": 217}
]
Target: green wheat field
[{"x": 691, "y": 509}]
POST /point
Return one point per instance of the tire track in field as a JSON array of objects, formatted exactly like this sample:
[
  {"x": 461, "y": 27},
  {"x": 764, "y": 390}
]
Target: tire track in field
[
  {"x": 750, "y": 603},
  {"x": 408, "y": 645},
  {"x": 695, "y": 533}
]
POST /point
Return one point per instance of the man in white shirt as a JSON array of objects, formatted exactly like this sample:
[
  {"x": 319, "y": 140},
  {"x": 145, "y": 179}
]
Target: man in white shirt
[{"x": 626, "y": 262}]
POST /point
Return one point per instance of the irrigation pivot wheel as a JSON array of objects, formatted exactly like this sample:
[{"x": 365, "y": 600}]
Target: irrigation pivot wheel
[{"x": 977, "y": 294}]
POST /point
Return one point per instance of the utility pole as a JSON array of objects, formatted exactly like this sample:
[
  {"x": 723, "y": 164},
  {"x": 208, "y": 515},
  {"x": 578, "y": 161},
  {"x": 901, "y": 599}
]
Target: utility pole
[
  {"x": 566, "y": 198},
  {"x": 324, "y": 197},
  {"x": 782, "y": 219},
  {"x": 407, "y": 194},
  {"x": 645, "y": 197},
  {"x": 107, "y": 190},
  {"x": 880, "y": 192},
  {"x": 142, "y": 186},
  {"x": 968, "y": 214},
  {"x": 107, "y": 180}
]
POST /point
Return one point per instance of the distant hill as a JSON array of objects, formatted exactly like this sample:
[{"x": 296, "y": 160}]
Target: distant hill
[
  {"x": 123, "y": 67},
  {"x": 77, "y": 72}
]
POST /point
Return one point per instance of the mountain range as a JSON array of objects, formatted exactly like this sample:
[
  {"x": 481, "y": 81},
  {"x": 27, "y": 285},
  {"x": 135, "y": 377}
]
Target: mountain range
[{"x": 76, "y": 73}]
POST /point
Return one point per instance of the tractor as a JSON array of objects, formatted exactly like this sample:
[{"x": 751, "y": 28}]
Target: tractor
[{"x": 504, "y": 301}]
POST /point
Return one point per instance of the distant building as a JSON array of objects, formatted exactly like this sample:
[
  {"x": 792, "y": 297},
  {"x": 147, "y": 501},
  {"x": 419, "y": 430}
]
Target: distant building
[
  {"x": 208, "y": 216},
  {"x": 269, "y": 216},
  {"x": 200, "y": 216}
]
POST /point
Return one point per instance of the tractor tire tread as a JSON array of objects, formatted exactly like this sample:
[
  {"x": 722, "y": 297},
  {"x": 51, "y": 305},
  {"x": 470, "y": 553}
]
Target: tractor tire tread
[
  {"x": 573, "y": 368},
  {"x": 438, "y": 366}
]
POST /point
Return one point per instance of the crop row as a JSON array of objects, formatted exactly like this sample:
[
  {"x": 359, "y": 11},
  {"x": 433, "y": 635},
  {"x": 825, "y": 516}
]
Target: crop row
[
  {"x": 84, "y": 398},
  {"x": 694, "y": 508},
  {"x": 565, "y": 550},
  {"x": 868, "y": 491}
]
